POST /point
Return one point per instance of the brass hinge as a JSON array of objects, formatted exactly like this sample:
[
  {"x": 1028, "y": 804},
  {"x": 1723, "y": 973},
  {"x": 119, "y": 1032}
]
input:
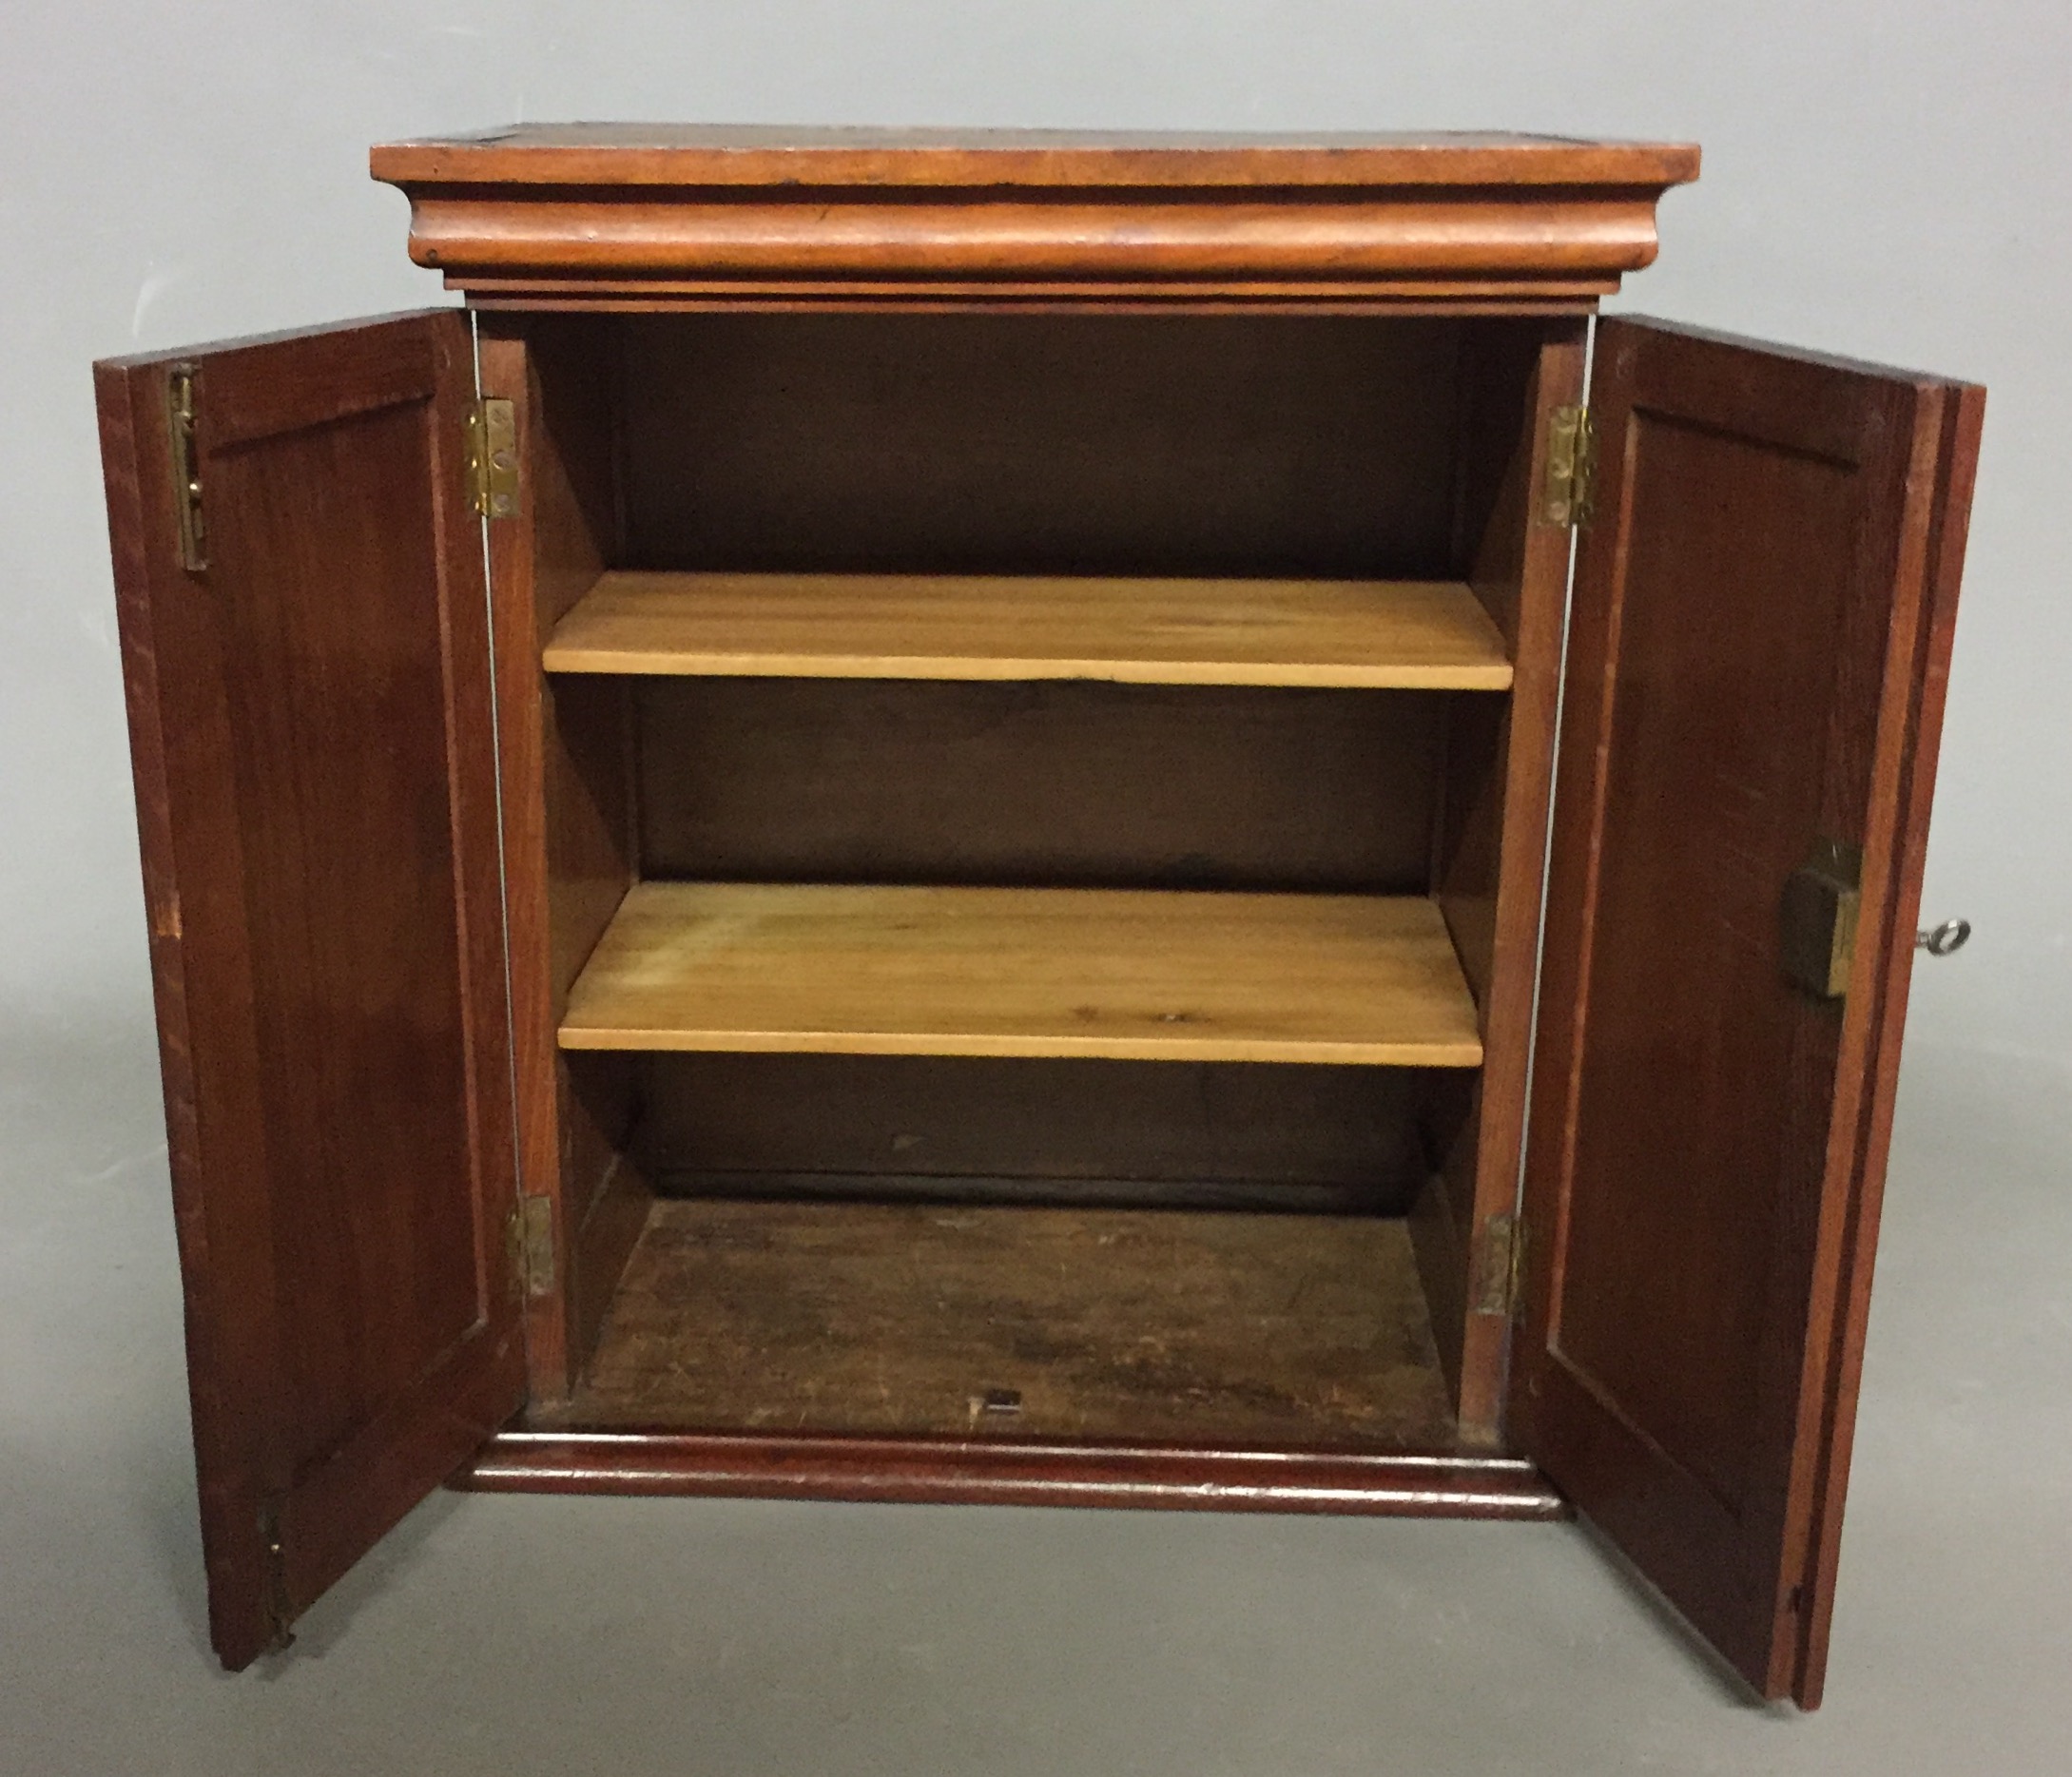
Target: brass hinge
[
  {"x": 493, "y": 458},
  {"x": 192, "y": 538},
  {"x": 1566, "y": 498},
  {"x": 1823, "y": 901},
  {"x": 531, "y": 1236},
  {"x": 1499, "y": 1276}
]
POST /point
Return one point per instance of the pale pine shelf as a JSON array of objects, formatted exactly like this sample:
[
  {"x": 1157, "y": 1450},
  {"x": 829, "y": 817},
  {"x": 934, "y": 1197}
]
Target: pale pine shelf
[
  {"x": 1127, "y": 974},
  {"x": 1367, "y": 634}
]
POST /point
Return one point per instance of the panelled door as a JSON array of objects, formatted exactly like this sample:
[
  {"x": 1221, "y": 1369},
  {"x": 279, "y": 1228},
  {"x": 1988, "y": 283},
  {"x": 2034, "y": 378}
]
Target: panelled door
[
  {"x": 1761, "y": 633},
  {"x": 305, "y": 646}
]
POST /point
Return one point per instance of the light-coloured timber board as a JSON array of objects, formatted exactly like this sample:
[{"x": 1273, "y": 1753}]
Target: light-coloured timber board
[
  {"x": 1371, "y": 634},
  {"x": 1128, "y": 974}
]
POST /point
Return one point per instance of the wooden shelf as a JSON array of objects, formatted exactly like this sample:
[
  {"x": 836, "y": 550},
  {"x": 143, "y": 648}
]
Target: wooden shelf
[
  {"x": 1129, "y": 974},
  {"x": 1431, "y": 636}
]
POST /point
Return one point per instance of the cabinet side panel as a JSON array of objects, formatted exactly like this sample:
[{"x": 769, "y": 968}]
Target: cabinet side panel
[
  {"x": 1913, "y": 794},
  {"x": 567, "y": 811},
  {"x": 1489, "y": 842}
]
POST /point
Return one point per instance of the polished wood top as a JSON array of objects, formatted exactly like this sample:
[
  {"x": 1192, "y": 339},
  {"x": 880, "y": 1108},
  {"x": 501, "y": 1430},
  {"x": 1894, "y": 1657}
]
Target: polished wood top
[
  {"x": 707, "y": 216},
  {"x": 718, "y": 154}
]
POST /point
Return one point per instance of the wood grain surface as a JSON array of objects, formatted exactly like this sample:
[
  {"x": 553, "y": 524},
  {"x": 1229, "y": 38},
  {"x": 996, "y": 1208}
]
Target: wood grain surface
[
  {"x": 317, "y": 790},
  {"x": 569, "y": 850},
  {"x": 1104, "y": 1324},
  {"x": 1143, "y": 975},
  {"x": 1084, "y": 443},
  {"x": 1362, "y": 634},
  {"x": 547, "y": 209},
  {"x": 902, "y": 1127},
  {"x": 1491, "y": 847},
  {"x": 719, "y": 154},
  {"x": 1060, "y": 783},
  {"x": 1747, "y": 665},
  {"x": 1012, "y": 1471}
]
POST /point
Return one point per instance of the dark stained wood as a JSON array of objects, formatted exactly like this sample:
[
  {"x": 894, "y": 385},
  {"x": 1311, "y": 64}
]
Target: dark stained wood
[
  {"x": 591, "y": 807},
  {"x": 1441, "y": 1224},
  {"x": 1067, "y": 1131},
  {"x": 1489, "y": 835},
  {"x": 1061, "y": 783},
  {"x": 569, "y": 824},
  {"x": 548, "y": 208},
  {"x": 1466, "y": 840},
  {"x": 1068, "y": 444},
  {"x": 1106, "y": 1324},
  {"x": 1926, "y": 678},
  {"x": 221, "y": 1349},
  {"x": 1499, "y": 753},
  {"x": 1028, "y": 1191},
  {"x": 570, "y": 814},
  {"x": 951, "y": 1471},
  {"x": 607, "y": 1195},
  {"x": 1760, "y": 605},
  {"x": 958, "y": 352},
  {"x": 312, "y": 726}
]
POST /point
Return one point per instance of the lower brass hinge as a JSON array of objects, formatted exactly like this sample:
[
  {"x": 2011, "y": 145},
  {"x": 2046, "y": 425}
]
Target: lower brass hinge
[
  {"x": 531, "y": 1234},
  {"x": 493, "y": 458},
  {"x": 1499, "y": 1272},
  {"x": 1568, "y": 495}
]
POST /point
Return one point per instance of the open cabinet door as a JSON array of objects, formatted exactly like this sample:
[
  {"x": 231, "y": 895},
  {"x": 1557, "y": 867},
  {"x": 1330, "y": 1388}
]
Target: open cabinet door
[
  {"x": 307, "y": 666},
  {"x": 1754, "y": 686}
]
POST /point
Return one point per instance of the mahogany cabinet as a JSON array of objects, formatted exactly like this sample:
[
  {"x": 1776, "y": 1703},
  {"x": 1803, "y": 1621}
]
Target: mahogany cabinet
[{"x": 1034, "y": 817}]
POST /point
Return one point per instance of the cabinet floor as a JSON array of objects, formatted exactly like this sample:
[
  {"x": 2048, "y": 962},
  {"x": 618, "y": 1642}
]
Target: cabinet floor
[{"x": 1100, "y": 1323}]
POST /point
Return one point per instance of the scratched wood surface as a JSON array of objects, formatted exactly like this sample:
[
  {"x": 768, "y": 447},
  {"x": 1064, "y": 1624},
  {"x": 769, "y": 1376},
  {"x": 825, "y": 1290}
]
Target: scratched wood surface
[{"x": 1106, "y": 1324}]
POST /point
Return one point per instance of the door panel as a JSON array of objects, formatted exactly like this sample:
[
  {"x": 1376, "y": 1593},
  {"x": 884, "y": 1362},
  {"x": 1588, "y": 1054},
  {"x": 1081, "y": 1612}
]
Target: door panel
[
  {"x": 1761, "y": 628},
  {"x": 311, "y": 733}
]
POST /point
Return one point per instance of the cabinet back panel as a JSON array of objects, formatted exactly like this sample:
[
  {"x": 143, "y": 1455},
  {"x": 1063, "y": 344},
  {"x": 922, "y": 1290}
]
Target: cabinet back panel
[
  {"x": 1056, "y": 443},
  {"x": 1294, "y": 1138},
  {"x": 1061, "y": 783}
]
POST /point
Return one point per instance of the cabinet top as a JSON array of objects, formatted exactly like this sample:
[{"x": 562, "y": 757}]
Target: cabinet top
[
  {"x": 713, "y": 216},
  {"x": 720, "y": 154}
]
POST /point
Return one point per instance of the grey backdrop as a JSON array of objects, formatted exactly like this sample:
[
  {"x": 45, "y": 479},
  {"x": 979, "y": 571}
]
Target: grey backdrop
[{"x": 1887, "y": 180}]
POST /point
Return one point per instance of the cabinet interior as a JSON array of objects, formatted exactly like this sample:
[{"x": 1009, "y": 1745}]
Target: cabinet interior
[{"x": 1020, "y": 925}]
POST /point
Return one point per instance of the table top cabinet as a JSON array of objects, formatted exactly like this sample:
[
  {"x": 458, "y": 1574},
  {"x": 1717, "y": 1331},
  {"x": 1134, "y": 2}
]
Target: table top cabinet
[{"x": 1034, "y": 817}]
